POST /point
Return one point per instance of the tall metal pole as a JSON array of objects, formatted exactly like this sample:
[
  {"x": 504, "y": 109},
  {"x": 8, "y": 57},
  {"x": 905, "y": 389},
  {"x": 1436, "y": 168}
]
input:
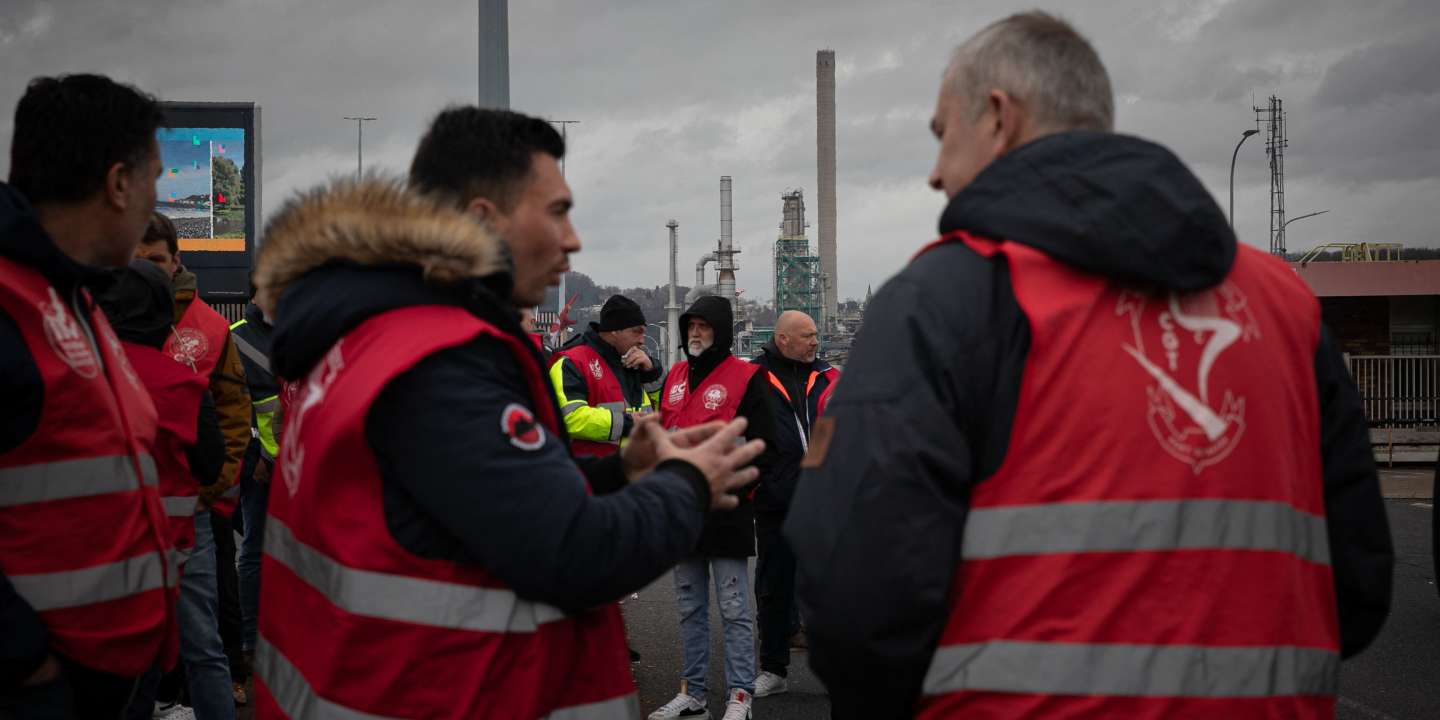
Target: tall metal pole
[
  {"x": 564, "y": 139},
  {"x": 493, "y": 60},
  {"x": 672, "y": 309},
  {"x": 360, "y": 144},
  {"x": 1234, "y": 155}
]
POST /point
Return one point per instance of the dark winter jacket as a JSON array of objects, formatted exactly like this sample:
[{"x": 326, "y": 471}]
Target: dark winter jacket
[
  {"x": 932, "y": 386},
  {"x": 793, "y": 420},
  {"x": 731, "y": 533},
  {"x": 139, "y": 304},
  {"x": 23, "y": 640},
  {"x": 632, "y": 382},
  {"x": 454, "y": 487}
]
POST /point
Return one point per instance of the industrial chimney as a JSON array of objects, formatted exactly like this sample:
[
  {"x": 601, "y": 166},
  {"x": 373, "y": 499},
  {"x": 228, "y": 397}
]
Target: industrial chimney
[
  {"x": 825, "y": 158},
  {"x": 725, "y": 256},
  {"x": 672, "y": 309}
]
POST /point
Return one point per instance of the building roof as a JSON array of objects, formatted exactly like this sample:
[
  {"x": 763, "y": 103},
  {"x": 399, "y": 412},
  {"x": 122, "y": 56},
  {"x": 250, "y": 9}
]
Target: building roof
[{"x": 1371, "y": 279}]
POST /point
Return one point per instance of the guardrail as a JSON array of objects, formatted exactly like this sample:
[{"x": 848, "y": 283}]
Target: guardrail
[{"x": 1398, "y": 390}]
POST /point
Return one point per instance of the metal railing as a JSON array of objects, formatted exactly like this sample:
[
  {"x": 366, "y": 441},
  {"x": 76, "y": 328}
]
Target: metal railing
[{"x": 1398, "y": 390}]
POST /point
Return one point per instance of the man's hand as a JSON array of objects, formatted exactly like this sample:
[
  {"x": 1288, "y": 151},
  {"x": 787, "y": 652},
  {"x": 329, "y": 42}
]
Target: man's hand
[
  {"x": 724, "y": 462},
  {"x": 641, "y": 453},
  {"x": 637, "y": 359}
]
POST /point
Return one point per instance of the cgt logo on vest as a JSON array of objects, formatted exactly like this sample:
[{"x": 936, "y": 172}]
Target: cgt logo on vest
[
  {"x": 595, "y": 370},
  {"x": 714, "y": 397},
  {"x": 317, "y": 384},
  {"x": 187, "y": 346},
  {"x": 67, "y": 339},
  {"x": 1180, "y": 338},
  {"x": 518, "y": 424}
]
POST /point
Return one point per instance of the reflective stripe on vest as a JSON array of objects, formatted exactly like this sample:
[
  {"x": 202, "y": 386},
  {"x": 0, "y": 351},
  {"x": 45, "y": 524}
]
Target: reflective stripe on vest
[
  {"x": 1117, "y": 526},
  {"x": 91, "y": 585},
  {"x": 617, "y": 419},
  {"x": 250, "y": 351},
  {"x": 180, "y": 506},
  {"x": 66, "y": 479},
  {"x": 405, "y": 599},
  {"x": 297, "y": 699},
  {"x": 1132, "y": 670}
]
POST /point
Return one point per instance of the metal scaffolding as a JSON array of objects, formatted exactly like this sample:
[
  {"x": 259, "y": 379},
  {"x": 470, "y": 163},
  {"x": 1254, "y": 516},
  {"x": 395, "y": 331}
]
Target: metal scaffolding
[{"x": 798, "y": 277}]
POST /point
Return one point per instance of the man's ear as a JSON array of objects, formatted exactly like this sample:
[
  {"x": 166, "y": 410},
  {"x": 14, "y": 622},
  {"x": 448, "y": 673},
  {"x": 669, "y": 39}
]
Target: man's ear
[
  {"x": 117, "y": 186},
  {"x": 483, "y": 209},
  {"x": 1012, "y": 121}
]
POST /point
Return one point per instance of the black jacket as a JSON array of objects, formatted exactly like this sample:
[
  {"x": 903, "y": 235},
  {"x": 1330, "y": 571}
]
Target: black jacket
[
  {"x": 454, "y": 486},
  {"x": 731, "y": 533},
  {"x": 791, "y": 427},
  {"x": 23, "y": 640},
  {"x": 932, "y": 386}
]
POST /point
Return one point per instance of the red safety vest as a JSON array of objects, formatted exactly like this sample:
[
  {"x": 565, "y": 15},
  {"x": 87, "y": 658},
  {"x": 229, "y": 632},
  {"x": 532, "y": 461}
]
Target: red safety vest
[
  {"x": 177, "y": 392},
  {"x": 198, "y": 343},
  {"x": 1154, "y": 544},
  {"x": 602, "y": 390},
  {"x": 825, "y": 397},
  {"x": 83, "y": 538},
  {"x": 718, "y": 399},
  {"x": 352, "y": 623}
]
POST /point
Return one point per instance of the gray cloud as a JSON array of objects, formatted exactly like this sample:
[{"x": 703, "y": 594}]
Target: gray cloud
[{"x": 671, "y": 95}]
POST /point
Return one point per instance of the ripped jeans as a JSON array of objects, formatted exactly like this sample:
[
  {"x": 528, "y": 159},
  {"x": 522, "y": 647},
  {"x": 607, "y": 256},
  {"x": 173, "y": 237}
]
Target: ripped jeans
[{"x": 732, "y": 590}]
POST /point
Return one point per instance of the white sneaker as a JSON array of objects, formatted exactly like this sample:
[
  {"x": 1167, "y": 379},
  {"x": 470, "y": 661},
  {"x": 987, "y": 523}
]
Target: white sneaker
[
  {"x": 173, "y": 711},
  {"x": 770, "y": 684},
  {"x": 738, "y": 706},
  {"x": 683, "y": 706}
]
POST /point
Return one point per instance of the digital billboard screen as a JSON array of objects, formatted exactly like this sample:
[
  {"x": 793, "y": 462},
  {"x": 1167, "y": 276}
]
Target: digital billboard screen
[{"x": 208, "y": 187}]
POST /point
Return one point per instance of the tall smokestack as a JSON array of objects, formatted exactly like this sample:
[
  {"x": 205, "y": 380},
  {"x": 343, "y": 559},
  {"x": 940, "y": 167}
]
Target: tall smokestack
[
  {"x": 672, "y": 309},
  {"x": 825, "y": 158},
  {"x": 725, "y": 257},
  {"x": 494, "y": 56}
]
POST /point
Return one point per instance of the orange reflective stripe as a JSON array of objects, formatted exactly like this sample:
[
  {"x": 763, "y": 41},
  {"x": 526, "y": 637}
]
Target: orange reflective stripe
[
  {"x": 810, "y": 384},
  {"x": 778, "y": 386}
]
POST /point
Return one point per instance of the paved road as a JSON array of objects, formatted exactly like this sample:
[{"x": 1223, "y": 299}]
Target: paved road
[
  {"x": 655, "y": 632},
  {"x": 1398, "y": 678}
]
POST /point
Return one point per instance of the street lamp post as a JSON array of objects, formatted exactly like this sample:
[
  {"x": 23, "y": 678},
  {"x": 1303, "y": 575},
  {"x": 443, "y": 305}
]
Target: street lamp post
[
  {"x": 664, "y": 339},
  {"x": 1236, "y": 154},
  {"x": 360, "y": 144},
  {"x": 1302, "y": 217}
]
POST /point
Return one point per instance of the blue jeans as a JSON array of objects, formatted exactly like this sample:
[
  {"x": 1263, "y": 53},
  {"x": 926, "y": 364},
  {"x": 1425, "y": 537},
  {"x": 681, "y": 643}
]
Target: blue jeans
[
  {"x": 207, "y": 671},
  {"x": 732, "y": 590},
  {"x": 253, "y": 498}
]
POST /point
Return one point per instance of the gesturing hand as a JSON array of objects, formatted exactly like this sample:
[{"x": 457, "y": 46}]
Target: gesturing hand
[
  {"x": 641, "y": 452},
  {"x": 715, "y": 452}
]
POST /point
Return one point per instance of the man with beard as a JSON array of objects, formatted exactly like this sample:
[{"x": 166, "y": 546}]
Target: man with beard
[{"x": 712, "y": 384}]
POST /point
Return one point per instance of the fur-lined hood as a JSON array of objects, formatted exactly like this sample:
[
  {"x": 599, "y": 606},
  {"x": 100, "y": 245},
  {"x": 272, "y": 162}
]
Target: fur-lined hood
[{"x": 372, "y": 222}]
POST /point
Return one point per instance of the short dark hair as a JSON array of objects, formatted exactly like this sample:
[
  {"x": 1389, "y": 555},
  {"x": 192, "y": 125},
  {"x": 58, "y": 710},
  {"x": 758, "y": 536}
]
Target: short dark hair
[
  {"x": 470, "y": 152},
  {"x": 69, "y": 131},
  {"x": 160, "y": 228}
]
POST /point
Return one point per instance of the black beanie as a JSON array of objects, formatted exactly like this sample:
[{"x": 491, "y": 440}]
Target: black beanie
[{"x": 620, "y": 313}]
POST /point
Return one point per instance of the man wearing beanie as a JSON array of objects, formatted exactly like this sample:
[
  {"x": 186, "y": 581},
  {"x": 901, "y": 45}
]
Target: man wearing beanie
[{"x": 600, "y": 378}]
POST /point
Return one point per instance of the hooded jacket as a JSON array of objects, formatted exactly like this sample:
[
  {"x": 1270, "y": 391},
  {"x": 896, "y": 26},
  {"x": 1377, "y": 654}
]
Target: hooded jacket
[
  {"x": 454, "y": 486},
  {"x": 730, "y": 533},
  {"x": 231, "y": 396},
  {"x": 932, "y": 387}
]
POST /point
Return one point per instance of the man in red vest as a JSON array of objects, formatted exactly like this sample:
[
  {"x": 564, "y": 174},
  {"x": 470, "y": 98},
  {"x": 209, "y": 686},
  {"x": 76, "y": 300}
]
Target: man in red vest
[
  {"x": 712, "y": 384},
  {"x": 1092, "y": 457},
  {"x": 86, "y": 566},
  {"x": 432, "y": 548},
  {"x": 600, "y": 379},
  {"x": 201, "y": 341}
]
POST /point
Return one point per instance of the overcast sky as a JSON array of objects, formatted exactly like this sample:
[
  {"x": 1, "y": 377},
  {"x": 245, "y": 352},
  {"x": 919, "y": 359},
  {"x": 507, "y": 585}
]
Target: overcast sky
[{"x": 671, "y": 95}]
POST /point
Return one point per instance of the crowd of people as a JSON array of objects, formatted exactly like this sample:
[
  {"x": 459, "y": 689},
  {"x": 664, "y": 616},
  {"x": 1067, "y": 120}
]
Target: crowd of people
[{"x": 1052, "y": 481}]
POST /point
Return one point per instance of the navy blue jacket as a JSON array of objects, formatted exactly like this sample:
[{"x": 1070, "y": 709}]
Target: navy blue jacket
[
  {"x": 456, "y": 489},
  {"x": 930, "y": 392}
]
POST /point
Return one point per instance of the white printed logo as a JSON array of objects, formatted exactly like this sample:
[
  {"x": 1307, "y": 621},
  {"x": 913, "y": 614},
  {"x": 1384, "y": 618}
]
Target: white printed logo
[
  {"x": 317, "y": 384},
  {"x": 66, "y": 337},
  {"x": 1192, "y": 331},
  {"x": 714, "y": 397},
  {"x": 677, "y": 393},
  {"x": 595, "y": 369},
  {"x": 187, "y": 346}
]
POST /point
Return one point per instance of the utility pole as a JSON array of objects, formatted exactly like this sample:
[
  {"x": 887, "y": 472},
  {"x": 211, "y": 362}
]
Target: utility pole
[
  {"x": 1236, "y": 154},
  {"x": 360, "y": 144}
]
